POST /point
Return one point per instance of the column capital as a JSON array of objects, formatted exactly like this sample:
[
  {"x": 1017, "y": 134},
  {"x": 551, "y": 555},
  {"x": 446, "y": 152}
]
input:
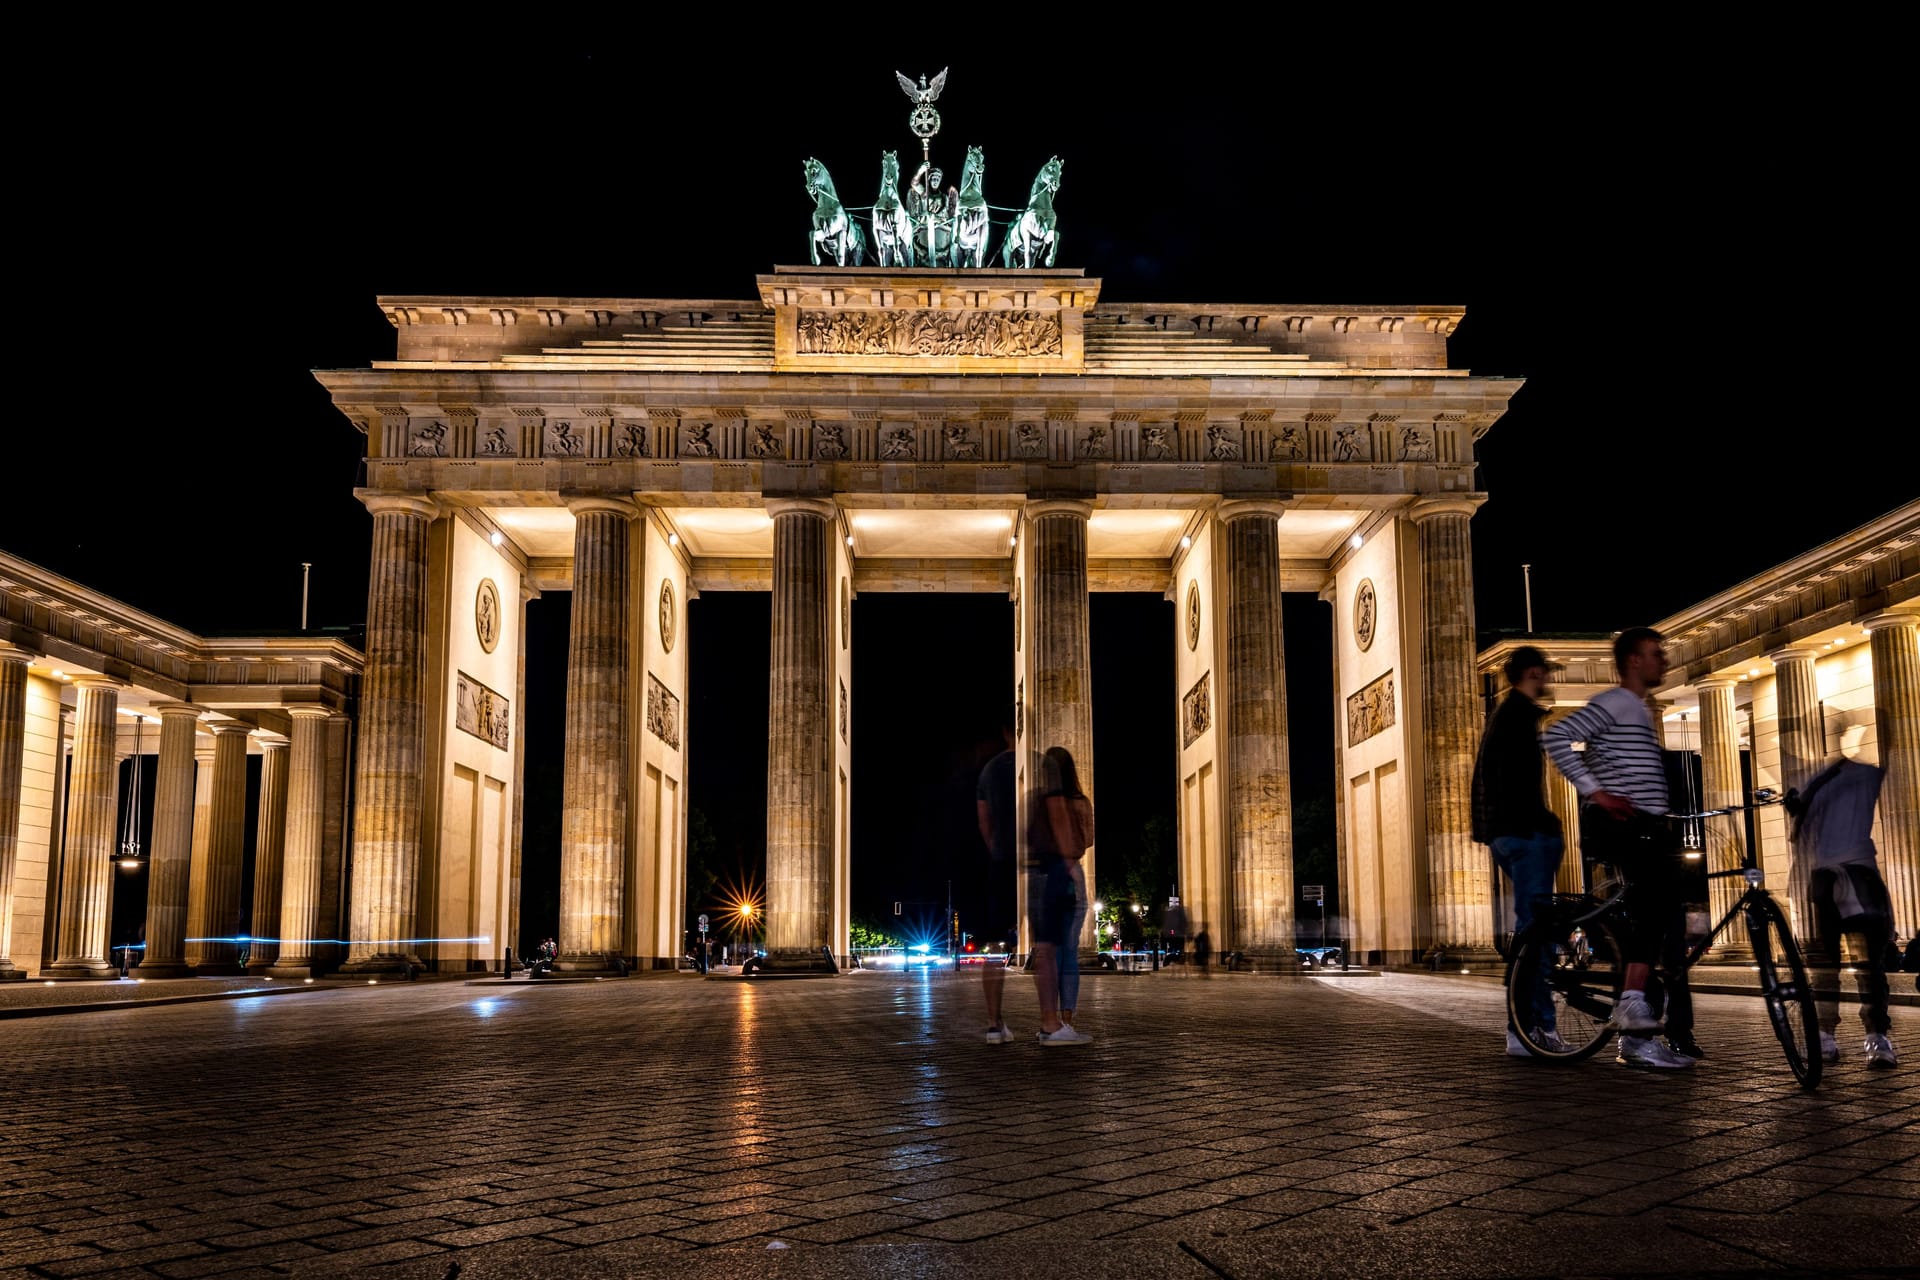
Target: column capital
[
  {"x": 1713, "y": 683},
  {"x": 97, "y": 682},
  {"x": 1450, "y": 504},
  {"x": 14, "y": 653},
  {"x": 176, "y": 709},
  {"x": 270, "y": 741},
  {"x": 406, "y": 504},
  {"x": 308, "y": 711},
  {"x": 1240, "y": 509},
  {"x": 1058, "y": 507},
  {"x": 777, "y": 507},
  {"x": 1330, "y": 589},
  {"x": 580, "y": 505},
  {"x": 218, "y": 727},
  {"x": 1891, "y": 620},
  {"x": 1793, "y": 653}
]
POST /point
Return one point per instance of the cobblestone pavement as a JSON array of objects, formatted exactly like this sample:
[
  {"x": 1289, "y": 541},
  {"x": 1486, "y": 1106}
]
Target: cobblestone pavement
[{"x": 1232, "y": 1126}]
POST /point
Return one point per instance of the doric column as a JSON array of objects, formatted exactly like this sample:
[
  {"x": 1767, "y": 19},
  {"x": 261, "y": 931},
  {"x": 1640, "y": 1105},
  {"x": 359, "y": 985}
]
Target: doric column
[
  {"x": 202, "y": 841},
  {"x": 1563, "y": 800},
  {"x": 1259, "y": 799},
  {"x": 593, "y": 831},
  {"x": 300, "y": 863},
  {"x": 1460, "y": 871},
  {"x": 1720, "y": 787},
  {"x": 172, "y": 846},
  {"x": 269, "y": 837},
  {"x": 799, "y": 718},
  {"x": 93, "y": 793},
  {"x": 1343, "y": 873},
  {"x": 1895, "y": 642},
  {"x": 13, "y": 744},
  {"x": 1060, "y": 703},
  {"x": 213, "y": 887},
  {"x": 387, "y": 782},
  {"x": 1803, "y": 749}
]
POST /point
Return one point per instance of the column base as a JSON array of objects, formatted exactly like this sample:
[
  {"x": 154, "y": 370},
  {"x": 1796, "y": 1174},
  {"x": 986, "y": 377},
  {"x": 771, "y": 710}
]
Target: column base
[
  {"x": 220, "y": 969},
  {"x": 11, "y": 972},
  {"x": 1275, "y": 962},
  {"x": 797, "y": 962},
  {"x": 80, "y": 971},
  {"x": 291, "y": 971},
  {"x": 163, "y": 969},
  {"x": 377, "y": 967},
  {"x": 260, "y": 968},
  {"x": 592, "y": 966}
]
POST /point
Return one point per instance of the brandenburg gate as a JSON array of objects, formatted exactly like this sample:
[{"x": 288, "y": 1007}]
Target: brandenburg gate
[{"x": 854, "y": 429}]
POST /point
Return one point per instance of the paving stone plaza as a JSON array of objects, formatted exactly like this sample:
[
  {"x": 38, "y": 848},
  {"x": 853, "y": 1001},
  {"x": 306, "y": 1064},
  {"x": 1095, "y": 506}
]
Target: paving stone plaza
[{"x": 1226, "y": 1126}]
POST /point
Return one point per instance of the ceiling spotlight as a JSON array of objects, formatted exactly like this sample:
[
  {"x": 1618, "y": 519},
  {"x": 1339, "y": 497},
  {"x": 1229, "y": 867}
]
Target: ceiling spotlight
[
  {"x": 1753, "y": 671},
  {"x": 1185, "y": 541},
  {"x": 1013, "y": 540},
  {"x": 1354, "y": 542},
  {"x": 673, "y": 539},
  {"x": 496, "y": 537},
  {"x": 849, "y": 539}
]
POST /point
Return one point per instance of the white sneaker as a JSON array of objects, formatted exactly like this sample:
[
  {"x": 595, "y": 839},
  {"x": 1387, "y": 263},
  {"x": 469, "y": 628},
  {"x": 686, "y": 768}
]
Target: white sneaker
[
  {"x": 1636, "y": 1052},
  {"x": 1516, "y": 1047},
  {"x": 1550, "y": 1041},
  {"x": 1631, "y": 1016},
  {"x": 1065, "y": 1035},
  {"x": 1881, "y": 1053},
  {"x": 1829, "y": 1047},
  {"x": 999, "y": 1035}
]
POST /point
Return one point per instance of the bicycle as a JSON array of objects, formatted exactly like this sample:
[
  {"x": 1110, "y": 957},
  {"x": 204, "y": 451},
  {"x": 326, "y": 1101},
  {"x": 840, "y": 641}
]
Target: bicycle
[{"x": 1580, "y": 936}]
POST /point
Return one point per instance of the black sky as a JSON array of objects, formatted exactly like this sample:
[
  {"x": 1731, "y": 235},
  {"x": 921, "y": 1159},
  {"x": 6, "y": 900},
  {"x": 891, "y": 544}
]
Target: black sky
[{"x": 1653, "y": 232}]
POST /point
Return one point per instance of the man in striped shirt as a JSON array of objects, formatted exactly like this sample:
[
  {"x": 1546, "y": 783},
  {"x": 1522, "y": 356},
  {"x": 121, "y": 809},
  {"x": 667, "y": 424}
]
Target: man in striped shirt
[{"x": 1621, "y": 776}]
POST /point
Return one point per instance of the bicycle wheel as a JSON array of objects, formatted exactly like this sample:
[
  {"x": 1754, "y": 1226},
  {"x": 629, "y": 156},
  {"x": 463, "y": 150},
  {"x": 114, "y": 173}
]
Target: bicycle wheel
[
  {"x": 1582, "y": 981},
  {"x": 1784, "y": 987}
]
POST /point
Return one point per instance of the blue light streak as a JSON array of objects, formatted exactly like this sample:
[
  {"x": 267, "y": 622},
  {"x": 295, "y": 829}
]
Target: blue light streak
[{"x": 343, "y": 942}]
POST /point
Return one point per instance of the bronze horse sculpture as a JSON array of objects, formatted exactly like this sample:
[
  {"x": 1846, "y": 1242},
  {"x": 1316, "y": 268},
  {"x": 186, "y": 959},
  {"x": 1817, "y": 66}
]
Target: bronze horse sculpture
[{"x": 833, "y": 229}]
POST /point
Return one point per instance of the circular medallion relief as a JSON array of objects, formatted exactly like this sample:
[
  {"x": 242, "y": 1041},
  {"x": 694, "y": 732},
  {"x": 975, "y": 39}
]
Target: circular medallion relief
[
  {"x": 486, "y": 614},
  {"x": 1363, "y": 615},
  {"x": 666, "y": 614},
  {"x": 1193, "y": 613},
  {"x": 846, "y": 615}
]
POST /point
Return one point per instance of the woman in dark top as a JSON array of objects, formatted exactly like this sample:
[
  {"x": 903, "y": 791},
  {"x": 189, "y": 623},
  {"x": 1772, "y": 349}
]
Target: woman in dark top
[{"x": 1059, "y": 831}]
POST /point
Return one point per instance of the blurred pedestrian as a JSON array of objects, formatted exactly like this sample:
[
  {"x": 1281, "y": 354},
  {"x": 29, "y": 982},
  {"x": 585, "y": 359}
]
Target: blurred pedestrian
[
  {"x": 1174, "y": 926},
  {"x": 993, "y": 802},
  {"x": 1202, "y": 950}
]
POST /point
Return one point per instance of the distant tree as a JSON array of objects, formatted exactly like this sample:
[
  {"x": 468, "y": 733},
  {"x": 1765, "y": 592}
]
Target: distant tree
[
  {"x": 866, "y": 933},
  {"x": 1314, "y": 857},
  {"x": 702, "y": 855}
]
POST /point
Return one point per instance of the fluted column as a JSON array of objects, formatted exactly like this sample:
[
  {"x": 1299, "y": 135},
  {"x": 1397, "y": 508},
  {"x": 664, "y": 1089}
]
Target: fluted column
[
  {"x": 1563, "y": 801},
  {"x": 306, "y": 815},
  {"x": 1343, "y": 873},
  {"x": 1803, "y": 749},
  {"x": 387, "y": 767},
  {"x": 1895, "y": 643},
  {"x": 269, "y": 837},
  {"x": 1720, "y": 787},
  {"x": 1460, "y": 872},
  {"x": 171, "y": 853},
  {"x": 1060, "y": 703},
  {"x": 13, "y": 744},
  {"x": 1259, "y": 797},
  {"x": 213, "y": 886},
  {"x": 93, "y": 795},
  {"x": 593, "y": 839},
  {"x": 799, "y": 718}
]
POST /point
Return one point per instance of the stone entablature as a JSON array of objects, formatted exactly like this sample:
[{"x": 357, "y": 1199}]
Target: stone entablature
[
  {"x": 987, "y": 321},
  {"x": 65, "y": 623},
  {"x": 1857, "y": 575}
]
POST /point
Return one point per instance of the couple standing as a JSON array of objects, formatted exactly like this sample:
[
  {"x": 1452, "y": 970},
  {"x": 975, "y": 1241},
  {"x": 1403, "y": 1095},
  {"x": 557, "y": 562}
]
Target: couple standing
[{"x": 1059, "y": 833}]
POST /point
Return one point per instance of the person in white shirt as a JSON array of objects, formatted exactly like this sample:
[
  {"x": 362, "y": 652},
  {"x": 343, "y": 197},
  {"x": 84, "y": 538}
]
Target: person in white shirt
[{"x": 1621, "y": 776}]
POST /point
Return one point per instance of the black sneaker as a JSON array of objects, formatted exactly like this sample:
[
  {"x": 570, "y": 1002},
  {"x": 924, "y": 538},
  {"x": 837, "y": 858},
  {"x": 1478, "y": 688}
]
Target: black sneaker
[{"x": 1686, "y": 1046}]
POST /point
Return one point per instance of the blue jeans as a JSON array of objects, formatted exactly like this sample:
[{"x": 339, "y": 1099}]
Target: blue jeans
[
  {"x": 1070, "y": 957},
  {"x": 1532, "y": 863}
]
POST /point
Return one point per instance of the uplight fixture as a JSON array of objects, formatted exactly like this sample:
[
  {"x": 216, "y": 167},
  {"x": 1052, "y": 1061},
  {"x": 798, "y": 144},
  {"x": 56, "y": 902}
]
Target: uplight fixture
[
  {"x": 1185, "y": 541},
  {"x": 673, "y": 539},
  {"x": 496, "y": 537},
  {"x": 1355, "y": 541}
]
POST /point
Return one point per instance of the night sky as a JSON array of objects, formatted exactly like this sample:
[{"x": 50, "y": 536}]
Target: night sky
[{"x": 1648, "y": 243}]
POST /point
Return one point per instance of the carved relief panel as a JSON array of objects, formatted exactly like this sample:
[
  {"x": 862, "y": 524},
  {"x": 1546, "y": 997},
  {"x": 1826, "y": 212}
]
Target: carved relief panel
[
  {"x": 663, "y": 712},
  {"x": 479, "y": 711},
  {"x": 1370, "y": 711},
  {"x": 1196, "y": 711}
]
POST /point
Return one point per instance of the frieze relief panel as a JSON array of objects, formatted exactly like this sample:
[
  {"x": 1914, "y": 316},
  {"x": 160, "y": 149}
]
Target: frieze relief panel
[
  {"x": 1196, "y": 711},
  {"x": 480, "y": 711},
  {"x": 663, "y": 712},
  {"x": 1370, "y": 711},
  {"x": 990, "y": 334}
]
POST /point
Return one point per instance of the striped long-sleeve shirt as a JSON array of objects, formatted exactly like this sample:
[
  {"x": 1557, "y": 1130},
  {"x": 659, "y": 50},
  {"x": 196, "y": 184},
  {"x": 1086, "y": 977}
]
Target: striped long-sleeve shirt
[{"x": 1622, "y": 754}]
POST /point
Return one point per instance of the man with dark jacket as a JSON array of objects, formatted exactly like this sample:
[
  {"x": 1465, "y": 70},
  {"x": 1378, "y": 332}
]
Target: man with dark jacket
[{"x": 1510, "y": 813}]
